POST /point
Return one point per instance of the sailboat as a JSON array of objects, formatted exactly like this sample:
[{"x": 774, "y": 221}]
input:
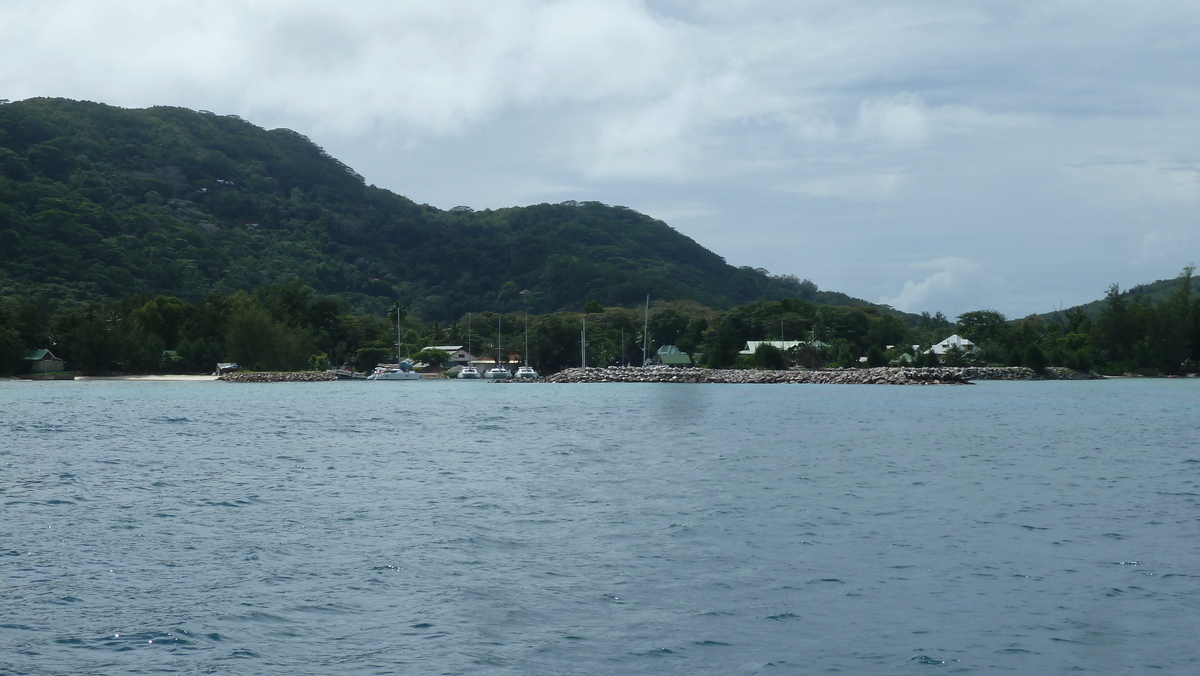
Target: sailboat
[
  {"x": 496, "y": 372},
  {"x": 468, "y": 372},
  {"x": 526, "y": 371},
  {"x": 403, "y": 369}
]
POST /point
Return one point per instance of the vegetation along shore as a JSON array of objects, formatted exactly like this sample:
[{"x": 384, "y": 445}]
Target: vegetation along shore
[{"x": 289, "y": 327}]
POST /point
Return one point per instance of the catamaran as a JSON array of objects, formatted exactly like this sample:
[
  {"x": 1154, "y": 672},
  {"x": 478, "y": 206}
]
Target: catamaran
[
  {"x": 468, "y": 372},
  {"x": 526, "y": 371},
  {"x": 496, "y": 372}
]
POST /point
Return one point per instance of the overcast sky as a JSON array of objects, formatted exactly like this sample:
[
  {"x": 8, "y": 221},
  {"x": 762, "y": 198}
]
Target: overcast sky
[{"x": 932, "y": 154}]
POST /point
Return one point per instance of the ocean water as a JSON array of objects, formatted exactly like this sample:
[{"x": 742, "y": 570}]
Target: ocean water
[{"x": 474, "y": 528}]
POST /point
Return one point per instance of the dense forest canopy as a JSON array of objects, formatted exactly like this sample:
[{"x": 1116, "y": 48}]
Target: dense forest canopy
[{"x": 98, "y": 202}]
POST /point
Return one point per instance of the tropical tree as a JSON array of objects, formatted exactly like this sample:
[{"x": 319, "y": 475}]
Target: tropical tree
[
  {"x": 767, "y": 356},
  {"x": 433, "y": 357}
]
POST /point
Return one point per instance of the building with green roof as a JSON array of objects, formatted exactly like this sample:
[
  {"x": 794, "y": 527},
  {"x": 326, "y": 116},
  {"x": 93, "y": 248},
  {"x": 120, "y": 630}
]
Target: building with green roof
[{"x": 669, "y": 355}]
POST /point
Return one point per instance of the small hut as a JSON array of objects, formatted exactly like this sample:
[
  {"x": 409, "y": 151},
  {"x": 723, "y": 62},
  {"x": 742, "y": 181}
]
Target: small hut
[{"x": 43, "y": 361}]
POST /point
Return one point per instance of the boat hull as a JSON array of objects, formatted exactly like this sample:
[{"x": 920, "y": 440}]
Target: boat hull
[{"x": 395, "y": 375}]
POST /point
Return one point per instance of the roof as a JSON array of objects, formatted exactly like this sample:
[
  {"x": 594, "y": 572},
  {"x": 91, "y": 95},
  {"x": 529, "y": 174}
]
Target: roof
[
  {"x": 41, "y": 355},
  {"x": 752, "y": 345},
  {"x": 952, "y": 342},
  {"x": 674, "y": 358},
  {"x": 669, "y": 349},
  {"x": 445, "y": 348}
]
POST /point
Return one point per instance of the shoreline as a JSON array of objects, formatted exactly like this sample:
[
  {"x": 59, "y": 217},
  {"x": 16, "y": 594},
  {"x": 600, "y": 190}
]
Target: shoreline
[
  {"x": 153, "y": 378},
  {"x": 884, "y": 375}
]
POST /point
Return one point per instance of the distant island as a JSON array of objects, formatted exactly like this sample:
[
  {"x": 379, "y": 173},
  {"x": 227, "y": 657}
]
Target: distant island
[{"x": 169, "y": 240}]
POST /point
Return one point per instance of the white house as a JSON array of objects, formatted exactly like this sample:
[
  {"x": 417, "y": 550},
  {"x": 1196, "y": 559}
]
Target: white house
[
  {"x": 458, "y": 354},
  {"x": 953, "y": 341}
]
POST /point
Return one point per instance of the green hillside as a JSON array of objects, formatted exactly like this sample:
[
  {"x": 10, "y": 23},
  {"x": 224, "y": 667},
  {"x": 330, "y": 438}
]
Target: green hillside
[
  {"x": 99, "y": 202},
  {"x": 1147, "y": 294}
]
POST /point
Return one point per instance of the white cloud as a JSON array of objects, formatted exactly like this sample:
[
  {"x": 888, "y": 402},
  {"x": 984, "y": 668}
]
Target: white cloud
[
  {"x": 434, "y": 65},
  {"x": 956, "y": 283}
]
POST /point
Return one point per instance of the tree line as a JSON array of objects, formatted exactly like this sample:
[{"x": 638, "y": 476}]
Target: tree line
[
  {"x": 290, "y": 327},
  {"x": 1126, "y": 335}
]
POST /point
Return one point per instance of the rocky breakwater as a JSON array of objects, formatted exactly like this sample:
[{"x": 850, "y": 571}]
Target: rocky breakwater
[
  {"x": 295, "y": 377},
  {"x": 664, "y": 374},
  {"x": 1024, "y": 373}
]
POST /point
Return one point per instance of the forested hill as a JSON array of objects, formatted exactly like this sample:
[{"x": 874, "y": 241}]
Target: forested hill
[
  {"x": 1147, "y": 294},
  {"x": 99, "y": 202}
]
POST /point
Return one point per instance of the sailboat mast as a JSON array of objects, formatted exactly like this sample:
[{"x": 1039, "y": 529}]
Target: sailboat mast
[
  {"x": 468, "y": 335},
  {"x": 498, "y": 352},
  {"x": 527, "y": 337},
  {"x": 583, "y": 344},
  {"x": 398, "y": 359},
  {"x": 645, "y": 333}
]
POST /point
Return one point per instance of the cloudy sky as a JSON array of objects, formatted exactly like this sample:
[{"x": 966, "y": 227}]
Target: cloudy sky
[{"x": 932, "y": 154}]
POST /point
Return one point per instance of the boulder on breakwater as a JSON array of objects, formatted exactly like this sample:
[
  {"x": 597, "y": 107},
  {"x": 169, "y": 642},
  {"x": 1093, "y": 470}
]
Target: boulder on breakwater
[
  {"x": 293, "y": 377},
  {"x": 874, "y": 376}
]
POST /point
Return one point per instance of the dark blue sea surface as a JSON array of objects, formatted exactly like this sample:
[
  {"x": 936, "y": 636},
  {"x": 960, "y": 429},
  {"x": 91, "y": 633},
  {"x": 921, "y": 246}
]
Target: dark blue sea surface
[{"x": 472, "y": 528}]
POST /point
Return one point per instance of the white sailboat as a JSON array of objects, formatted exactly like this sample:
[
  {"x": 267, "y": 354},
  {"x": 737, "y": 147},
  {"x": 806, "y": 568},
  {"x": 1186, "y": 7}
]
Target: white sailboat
[
  {"x": 468, "y": 372},
  {"x": 526, "y": 371},
  {"x": 496, "y": 372},
  {"x": 402, "y": 370}
]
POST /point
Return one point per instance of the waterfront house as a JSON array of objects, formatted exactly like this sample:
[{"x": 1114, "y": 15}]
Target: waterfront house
[
  {"x": 458, "y": 354},
  {"x": 43, "y": 361},
  {"x": 952, "y": 342}
]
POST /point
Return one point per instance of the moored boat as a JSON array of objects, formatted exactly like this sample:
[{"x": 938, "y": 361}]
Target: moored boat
[
  {"x": 526, "y": 372},
  {"x": 497, "y": 372},
  {"x": 402, "y": 371}
]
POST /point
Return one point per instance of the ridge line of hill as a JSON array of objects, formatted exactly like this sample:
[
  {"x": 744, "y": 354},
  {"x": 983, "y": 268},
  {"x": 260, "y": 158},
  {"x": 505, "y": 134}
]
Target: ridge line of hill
[{"x": 98, "y": 202}]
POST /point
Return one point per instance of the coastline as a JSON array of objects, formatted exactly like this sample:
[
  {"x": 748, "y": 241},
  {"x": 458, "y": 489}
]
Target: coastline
[
  {"x": 887, "y": 375},
  {"x": 155, "y": 378},
  {"x": 884, "y": 375}
]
